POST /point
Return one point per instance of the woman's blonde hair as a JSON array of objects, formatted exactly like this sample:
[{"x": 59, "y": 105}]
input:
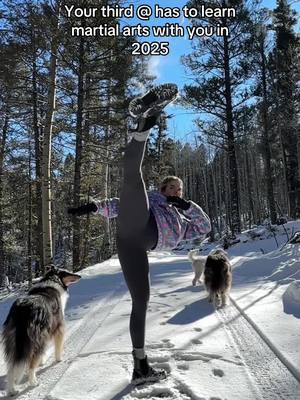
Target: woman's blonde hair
[{"x": 168, "y": 179}]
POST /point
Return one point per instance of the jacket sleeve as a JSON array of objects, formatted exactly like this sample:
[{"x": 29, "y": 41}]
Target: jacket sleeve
[
  {"x": 108, "y": 208},
  {"x": 199, "y": 224}
]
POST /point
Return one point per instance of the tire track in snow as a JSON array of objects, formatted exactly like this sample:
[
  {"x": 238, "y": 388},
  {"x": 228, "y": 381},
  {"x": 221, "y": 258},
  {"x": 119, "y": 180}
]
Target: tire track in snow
[
  {"x": 273, "y": 379},
  {"x": 49, "y": 375},
  {"x": 275, "y": 350}
]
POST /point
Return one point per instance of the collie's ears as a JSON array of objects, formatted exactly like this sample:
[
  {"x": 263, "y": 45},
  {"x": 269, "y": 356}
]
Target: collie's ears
[
  {"x": 64, "y": 275},
  {"x": 50, "y": 267},
  {"x": 68, "y": 278}
]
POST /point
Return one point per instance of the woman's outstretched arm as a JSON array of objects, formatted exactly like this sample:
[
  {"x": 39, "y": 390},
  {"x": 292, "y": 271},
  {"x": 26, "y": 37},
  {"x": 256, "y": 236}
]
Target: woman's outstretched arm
[{"x": 108, "y": 208}]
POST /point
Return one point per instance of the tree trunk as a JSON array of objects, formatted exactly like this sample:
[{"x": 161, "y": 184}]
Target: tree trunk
[
  {"x": 266, "y": 142},
  {"x": 212, "y": 204},
  {"x": 38, "y": 155},
  {"x": 233, "y": 171},
  {"x": 46, "y": 157},
  {"x": 86, "y": 223},
  {"x": 107, "y": 230},
  {"x": 107, "y": 220},
  {"x": 29, "y": 232},
  {"x": 2, "y": 154},
  {"x": 257, "y": 189},
  {"x": 249, "y": 191},
  {"x": 78, "y": 158}
]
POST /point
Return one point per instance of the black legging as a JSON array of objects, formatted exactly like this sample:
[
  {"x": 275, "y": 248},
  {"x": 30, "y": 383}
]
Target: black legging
[{"x": 136, "y": 233}]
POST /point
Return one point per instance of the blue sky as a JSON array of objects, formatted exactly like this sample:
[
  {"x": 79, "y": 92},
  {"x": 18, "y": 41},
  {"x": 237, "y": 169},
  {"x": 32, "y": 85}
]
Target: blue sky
[{"x": 169, "y": 68}]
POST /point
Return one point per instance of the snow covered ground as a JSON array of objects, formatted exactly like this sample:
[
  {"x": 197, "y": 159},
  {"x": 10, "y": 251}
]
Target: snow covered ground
[{"x": 249, "y": 350}]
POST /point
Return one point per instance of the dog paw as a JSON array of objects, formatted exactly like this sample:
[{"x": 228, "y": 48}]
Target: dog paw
[
  {"x": 33, "y": 382},
  {"x": 42, "y": 361},
  {"x": 12, "y": 392},
  {"x": 218, "y": 372},
  {"x": 225, "y": 302},
  {"x": 58, "y": 356}
]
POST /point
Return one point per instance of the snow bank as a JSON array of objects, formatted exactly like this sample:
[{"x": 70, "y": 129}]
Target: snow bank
[{"x": 291, "y": 299}]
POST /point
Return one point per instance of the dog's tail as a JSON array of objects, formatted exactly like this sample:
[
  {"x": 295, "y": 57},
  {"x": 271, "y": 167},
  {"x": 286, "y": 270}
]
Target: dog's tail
[
  {"x": 16, "y": 342},
  {"x": 216, "y": 270},
  {"x": 193, "y": 255},
  {"x": 16, "y": 351},
  {"x": 23, "y": 333}
]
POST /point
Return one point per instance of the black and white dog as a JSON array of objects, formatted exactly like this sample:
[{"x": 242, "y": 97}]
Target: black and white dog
[
  {"x": 218, "y": 277},
  {"x": 34, "y": 320}
]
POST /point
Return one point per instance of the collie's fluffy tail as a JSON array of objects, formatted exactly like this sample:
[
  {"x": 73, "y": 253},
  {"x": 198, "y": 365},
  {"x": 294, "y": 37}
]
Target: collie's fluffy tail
[
  {"x": 217, "y": 269},
  {"x": 16, "y": 342}
]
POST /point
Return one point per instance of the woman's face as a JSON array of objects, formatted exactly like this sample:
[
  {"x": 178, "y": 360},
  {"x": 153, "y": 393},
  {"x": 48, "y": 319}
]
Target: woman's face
[{"x": 173, "y": 188}]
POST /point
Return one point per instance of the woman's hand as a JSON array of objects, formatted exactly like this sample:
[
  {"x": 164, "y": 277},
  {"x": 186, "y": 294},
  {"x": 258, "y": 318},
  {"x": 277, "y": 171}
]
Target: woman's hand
[
  {"x": 179, "y": 202},
  {"x": 83, "y": 209}
]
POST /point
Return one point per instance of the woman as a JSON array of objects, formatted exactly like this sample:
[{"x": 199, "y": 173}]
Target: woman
[{"x": 147, "y": 221}]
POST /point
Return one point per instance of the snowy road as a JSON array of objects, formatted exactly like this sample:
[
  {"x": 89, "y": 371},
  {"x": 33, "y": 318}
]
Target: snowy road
[
  {"x": 272, "y": 379},
  {"x": 209, "y": 354}
]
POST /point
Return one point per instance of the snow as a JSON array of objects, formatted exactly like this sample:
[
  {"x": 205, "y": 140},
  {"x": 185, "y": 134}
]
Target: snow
[
  {"x": 291, "y": 299},
  {"x": 246, "y": 351}
]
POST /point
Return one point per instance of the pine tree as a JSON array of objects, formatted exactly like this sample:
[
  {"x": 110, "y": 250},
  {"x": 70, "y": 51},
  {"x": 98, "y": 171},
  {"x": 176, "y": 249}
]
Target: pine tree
[
  {"x": 260, "y": 45},
  {"x": 6, "y": 86},
  {"x": 221, "y": 68},
  {"x": 9, "y": 98},
  {"x": 27, "y": 22},
  {"x": 100, "y": 96},
  {"x": 285, "y": 65}
]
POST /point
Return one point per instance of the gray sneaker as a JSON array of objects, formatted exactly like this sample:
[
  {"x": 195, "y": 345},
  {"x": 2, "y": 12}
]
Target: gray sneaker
[{"x": 154, "y": 101}]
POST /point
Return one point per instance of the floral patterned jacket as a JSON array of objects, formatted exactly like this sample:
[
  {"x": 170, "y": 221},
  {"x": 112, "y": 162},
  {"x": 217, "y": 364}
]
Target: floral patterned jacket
[{"x": 173, "y": 226}]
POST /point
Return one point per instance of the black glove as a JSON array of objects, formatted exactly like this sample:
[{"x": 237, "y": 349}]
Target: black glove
[
  {"x": 179, "y": 202},
  {"x": 84, "y": 209}
]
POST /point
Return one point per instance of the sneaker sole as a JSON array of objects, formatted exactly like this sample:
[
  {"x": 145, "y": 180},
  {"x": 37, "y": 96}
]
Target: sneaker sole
[
  {"x": 165, "y": 94},
  {"x": 142, "y": 381}
]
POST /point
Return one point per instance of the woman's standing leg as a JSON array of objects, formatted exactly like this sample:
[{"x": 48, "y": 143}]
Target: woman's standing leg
[
  {"x": 132, "y": 239},
  {"x": 137, "y": 231}
]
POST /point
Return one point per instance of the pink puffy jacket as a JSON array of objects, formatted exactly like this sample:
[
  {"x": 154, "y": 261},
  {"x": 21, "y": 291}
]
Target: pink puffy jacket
[{"x": 173, "y": 226}]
